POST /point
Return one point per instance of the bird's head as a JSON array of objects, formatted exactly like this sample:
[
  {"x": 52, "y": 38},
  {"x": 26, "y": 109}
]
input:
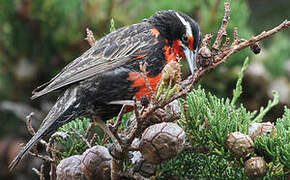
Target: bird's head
[{"x": 181, "y": 31}]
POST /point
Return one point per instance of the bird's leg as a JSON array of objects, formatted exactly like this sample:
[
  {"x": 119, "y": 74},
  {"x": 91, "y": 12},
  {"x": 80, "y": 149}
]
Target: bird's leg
[
  {"x": 115, "y": 150},
  {"x": 105, "y": 128},
  {"x": 114, "y": 128}
]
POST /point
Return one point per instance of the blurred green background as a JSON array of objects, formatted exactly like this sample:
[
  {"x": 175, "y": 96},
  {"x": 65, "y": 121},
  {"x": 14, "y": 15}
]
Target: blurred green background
[{"x": 39, "y": 37}]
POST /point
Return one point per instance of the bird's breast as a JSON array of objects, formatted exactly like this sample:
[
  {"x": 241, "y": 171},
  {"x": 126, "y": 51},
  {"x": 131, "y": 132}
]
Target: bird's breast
[{"x": 139, "y": 82}]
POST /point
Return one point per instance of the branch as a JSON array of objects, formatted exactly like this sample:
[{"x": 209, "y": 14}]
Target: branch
[
  {"x": 51, "y": 149},
  {"x": 42, "y": 157},
  {"x": 223, "y": 29},
  {"x": 81, "y": 137},
  {"x": 144, "y": 75},
  {"x": 30, "y": 128},
  {"x": 115, "y": 127},
  {"x": 284, "y": 25},
  {"x": 40, "y": 173},
  {"x": 29, "y": 123}
]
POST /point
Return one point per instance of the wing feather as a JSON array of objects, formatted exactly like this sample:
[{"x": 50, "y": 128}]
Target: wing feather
[{"x": 109, "y": 53}]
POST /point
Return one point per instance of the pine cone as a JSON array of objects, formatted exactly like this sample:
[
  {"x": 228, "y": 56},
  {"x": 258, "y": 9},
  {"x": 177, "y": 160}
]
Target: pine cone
[
  {"x": 69, "y": 169},
  {"x": 141, "y": 166},
  {"x": 256, "y": 167},
  {"x": 96, "y": 163},
  {"x": 161, "y": 141},
  {"x": 256, "y": 48},
  {"x": 239, "y": 144},
  {"x": 260, "y": 129}
]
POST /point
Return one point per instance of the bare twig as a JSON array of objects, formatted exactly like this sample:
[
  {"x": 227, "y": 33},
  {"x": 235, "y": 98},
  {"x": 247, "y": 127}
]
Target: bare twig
[
  {"x": 116, "y": 170},
  {"x": 93, "y": 140},
  {"x": 223, "y": 29},
  {"x": 236, "y": 36},
  {"x": 52, "y": 171},
  {"x": 226, "y": 44},
  {"x": 53, "y": 137},
  {"x": 29, "y": 125},
  {"x": 90, "y": 37},
  {"x": 82, "y": 137},
  {"x": 89, "y": 130},
  {"x": 144, "y": 75},
  {"x": 284, "y": 25},
  {"x": 51, "y": 149},
  {"x": 43, "y": 157},
  {"x": 115, "y": 127},
  {"x": 52, "y": 160},
  {"x": 30, "y": 128},
  {"x": 206, "y": 40},
  {"x": 39, "y": 173},
  {"x": 137, "y": 114}
]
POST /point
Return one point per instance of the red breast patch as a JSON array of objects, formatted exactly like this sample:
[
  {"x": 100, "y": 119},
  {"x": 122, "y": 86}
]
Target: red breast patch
[{"x": 139, "y": 82}]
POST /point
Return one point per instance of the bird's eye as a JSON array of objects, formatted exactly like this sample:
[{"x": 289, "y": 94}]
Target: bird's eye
[{"x": 184, "y": 38}]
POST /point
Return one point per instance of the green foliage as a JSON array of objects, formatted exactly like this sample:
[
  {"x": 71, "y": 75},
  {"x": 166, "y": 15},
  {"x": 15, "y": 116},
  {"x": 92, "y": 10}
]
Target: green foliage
[
  {"x": 74, "y": 145},
  {"x": 200, "y": 166},
  {"x": 239, "y": 90},
  {"x": 271, "y": 104},
  {"x": 208, "y": 120},
  {"x": 112, "y": 25},
  {"x": 276, "y": 146},
  {"x": 191, "y": 165}
]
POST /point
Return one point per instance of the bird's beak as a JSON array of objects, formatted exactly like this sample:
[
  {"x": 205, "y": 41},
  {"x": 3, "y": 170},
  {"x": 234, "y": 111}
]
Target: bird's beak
[{"x": 191, "y": 58}]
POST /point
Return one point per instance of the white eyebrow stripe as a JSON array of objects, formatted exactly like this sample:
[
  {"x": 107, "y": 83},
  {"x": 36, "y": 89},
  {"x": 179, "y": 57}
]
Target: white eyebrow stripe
[{"x": 186, "y": 24}]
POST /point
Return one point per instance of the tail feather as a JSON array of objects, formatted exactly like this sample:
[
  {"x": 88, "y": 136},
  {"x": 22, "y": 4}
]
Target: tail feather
[{"x": 65, "y": 110}]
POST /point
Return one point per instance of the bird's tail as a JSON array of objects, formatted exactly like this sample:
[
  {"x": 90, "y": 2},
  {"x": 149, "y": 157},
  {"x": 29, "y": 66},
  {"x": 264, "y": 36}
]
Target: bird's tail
[{"x": 63, "y": 111}]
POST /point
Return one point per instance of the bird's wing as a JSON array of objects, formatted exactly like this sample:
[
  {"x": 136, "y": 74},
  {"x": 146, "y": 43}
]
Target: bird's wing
[{"x": 114, "y": 50}]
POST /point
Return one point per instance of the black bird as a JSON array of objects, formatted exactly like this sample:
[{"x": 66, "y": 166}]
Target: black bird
[{"x": 95, "y": 83}]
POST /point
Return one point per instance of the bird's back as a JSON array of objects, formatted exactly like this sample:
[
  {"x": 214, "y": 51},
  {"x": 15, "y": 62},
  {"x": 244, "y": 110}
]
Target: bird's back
[{"x": 114, "y": 50}]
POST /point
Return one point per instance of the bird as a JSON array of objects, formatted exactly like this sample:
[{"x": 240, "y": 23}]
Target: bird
[{"x": 94, "y": 84}]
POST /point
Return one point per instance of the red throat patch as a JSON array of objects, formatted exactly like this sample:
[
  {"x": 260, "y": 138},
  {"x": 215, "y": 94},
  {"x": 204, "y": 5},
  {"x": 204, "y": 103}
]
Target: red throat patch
[{"x": 171, "y": 52}]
